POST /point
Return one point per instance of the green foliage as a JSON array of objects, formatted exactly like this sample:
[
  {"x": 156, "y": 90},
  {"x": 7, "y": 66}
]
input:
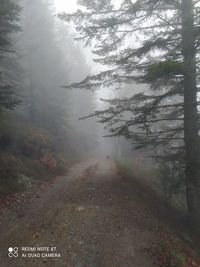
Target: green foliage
[
  {"x": 163, "y": 69},
  {"x": 22, "y": 144},
  {"x": 9, "y": 17},
  {"x": 171, "y": 180},
  {"x": 24, "y": 181},
  {"x": 10, "y": 168},
  {"x": 62, "y": 164},
  {"x": 176, "y": 253},
  {"x": 34, "y": 141},
  {"x": 23, "y": 138}
]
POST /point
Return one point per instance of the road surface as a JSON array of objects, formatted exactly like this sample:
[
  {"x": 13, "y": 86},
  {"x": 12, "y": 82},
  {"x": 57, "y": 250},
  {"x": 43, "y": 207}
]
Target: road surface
[{"x": 90, "y": 218}]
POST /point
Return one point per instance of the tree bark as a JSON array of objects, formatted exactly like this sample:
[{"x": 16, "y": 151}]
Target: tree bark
[{"x": 191, "y": 128}]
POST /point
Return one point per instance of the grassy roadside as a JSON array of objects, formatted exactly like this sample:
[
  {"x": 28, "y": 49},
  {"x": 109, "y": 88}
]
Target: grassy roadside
[{"x": 177, "y": 246}]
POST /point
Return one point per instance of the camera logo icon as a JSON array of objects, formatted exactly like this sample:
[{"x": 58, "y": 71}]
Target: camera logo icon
[{"x": 13, "y": 252}]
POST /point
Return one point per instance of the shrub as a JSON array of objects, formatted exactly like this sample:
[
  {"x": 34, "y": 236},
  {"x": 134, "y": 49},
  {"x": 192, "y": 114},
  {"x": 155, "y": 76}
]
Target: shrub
[
  {"x": 62, "y": 165},
  {"x": 34, "y": 141},
  {"x": 10, "y": 168},
  {"x": 49, "y": 161},
  {"x": 172, "y": 180},
  {"x": 24, "y": 181}
]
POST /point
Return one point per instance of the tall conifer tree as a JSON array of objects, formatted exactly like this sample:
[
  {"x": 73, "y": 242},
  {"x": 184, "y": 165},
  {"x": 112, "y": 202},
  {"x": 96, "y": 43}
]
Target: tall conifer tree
[
  {"x": 155, "y": 42},
  {"x": 9, "y": 18}
]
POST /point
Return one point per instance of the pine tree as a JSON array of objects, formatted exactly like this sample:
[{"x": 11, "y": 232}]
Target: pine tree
[
  {"x": 45, "y": 101},
  {"x": 48, "y": 58},
  {"x": 154, "y": 42},
  {"x": 9, "y": 17}
]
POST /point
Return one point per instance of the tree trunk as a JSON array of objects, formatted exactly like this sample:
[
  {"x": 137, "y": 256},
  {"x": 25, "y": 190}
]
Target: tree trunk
[{"x": 190, "y": 113}]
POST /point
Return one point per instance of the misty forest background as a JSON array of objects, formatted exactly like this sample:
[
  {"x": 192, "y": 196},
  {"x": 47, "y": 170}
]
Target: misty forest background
[
  {"x": 40, "y": 132},
  {"x": 144, "y": 50},
  {"x": 38, "y": 56}
]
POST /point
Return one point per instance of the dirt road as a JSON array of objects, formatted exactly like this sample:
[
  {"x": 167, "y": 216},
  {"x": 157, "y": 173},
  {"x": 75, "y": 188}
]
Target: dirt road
[{"x": 93, "y": 217}]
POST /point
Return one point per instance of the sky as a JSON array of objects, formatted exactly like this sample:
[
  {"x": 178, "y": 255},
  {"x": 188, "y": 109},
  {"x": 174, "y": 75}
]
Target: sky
[
  {"x": 66, "y": 5},
  {"x": 71, "y": 6}
]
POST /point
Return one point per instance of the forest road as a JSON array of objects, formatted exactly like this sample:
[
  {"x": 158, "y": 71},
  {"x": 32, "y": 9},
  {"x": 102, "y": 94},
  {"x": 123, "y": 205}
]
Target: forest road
[{"x": 90, "y": 218}]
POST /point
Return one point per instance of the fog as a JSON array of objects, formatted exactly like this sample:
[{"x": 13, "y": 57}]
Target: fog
[
  {"x": 50, "y": 58},
  {"x": 99, "y": 133}
]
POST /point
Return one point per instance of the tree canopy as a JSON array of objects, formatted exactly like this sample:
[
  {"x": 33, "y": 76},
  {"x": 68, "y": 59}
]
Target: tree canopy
[{"x": 9, "y": 18}]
